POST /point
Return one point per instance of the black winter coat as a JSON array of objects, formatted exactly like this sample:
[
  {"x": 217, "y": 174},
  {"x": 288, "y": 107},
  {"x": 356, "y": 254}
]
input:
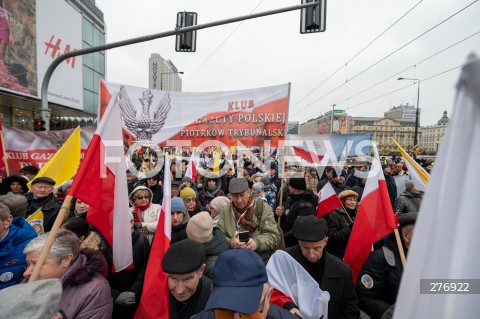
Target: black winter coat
[
  {"x": 179, "y": 233},
  {"x": 379, "y": 280},
  {"x": 274, "y": 312},
  {"x": 157, "y": 191},
  {"x": 407, "y": 202},
  {"x": 213, "y": 249},
  {"x": 339, "y": 229},
  {"x": 392, "y": 188},
  {"x": 297, "y": 205},
  {"x": 194, "y": 305},
  {"x": 50, "y": 207},
  {"x": 131, "y": 279},
  {"x": 337, "y": 280}
]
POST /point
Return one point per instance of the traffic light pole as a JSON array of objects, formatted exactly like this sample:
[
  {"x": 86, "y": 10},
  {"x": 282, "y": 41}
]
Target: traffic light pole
[{"x": 45, "y": 111}]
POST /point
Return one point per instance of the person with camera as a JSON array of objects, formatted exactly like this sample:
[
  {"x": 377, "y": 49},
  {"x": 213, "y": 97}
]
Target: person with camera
[{"x": 249, "y": 223}]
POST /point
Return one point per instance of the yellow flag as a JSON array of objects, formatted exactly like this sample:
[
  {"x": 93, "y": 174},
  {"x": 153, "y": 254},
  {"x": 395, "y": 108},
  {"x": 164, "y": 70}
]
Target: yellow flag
[
  {"x": 216, "y": 161},
  {"x": 36, "y": 221},
  {"x": 64, "y": 163},
  {"x": 418, "y": 175}
]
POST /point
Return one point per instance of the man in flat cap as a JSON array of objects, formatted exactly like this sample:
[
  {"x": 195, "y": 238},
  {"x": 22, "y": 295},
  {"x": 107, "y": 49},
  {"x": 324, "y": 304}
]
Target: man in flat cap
[
  {"x": 332, "y": 274},
  {"x": 241, "y": 289},
  {"x": 247, "y": 222},
  {"x": 41, "y": 197},
  {"x": 184, "y": 263},
  {"x": 301, "y": 201},
  {"x": 379, "y": 280}
]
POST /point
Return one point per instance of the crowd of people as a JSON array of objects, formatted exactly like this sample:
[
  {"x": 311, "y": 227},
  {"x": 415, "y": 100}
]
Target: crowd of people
[{"x": 224, "y": 231}]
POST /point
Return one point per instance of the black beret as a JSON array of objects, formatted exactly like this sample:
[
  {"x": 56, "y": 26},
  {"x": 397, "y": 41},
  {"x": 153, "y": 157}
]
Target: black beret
[
  {"x": 310, "y": 228},
  {"x": 43, "y": 179},
  {"x": 176, "y": 184},
  {"x": 407, "y": 219},
  {"x": 183, "y": 257}
]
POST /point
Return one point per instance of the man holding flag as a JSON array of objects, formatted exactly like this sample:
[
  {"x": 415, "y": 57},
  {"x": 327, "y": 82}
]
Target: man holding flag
[{"x": 41, "y": 197}]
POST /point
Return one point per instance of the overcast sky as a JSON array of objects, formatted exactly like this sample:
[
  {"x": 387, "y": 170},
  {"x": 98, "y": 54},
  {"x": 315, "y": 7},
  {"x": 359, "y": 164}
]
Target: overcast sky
[{"x": 270, "y": 50}]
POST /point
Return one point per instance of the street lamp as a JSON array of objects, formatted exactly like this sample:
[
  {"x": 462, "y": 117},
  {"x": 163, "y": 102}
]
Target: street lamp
[
  {"x": 163, "y": 73},
  {"x": 331, "y": 120},
  {"x": 415, "y": 138}
]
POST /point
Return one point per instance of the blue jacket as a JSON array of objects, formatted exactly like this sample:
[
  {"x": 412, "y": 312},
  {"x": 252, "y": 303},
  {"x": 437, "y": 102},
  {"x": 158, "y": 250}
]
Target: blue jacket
[{"x": 12, "y": 258}]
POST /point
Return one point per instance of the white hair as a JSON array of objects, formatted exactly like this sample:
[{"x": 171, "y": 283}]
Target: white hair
[{"x": 66, "y": 242}]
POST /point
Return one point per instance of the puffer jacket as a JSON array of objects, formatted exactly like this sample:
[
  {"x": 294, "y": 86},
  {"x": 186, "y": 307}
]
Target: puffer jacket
[
  {"x": 86, "y": 293},
  {"x": 12, "y": 258},
  {"x": 213, "y": 249},
  {"x": 408, "y": 202},
  {"x": 266, "y": 235}
]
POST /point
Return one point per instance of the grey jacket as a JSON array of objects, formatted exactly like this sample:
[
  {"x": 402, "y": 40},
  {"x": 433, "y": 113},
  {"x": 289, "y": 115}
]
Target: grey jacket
[{"x": 407, "y": 202}]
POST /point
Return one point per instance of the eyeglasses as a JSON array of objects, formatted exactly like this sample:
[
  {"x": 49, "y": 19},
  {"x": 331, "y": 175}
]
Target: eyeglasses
[
  {"x": 143, "y": 197},
  {"x": 190, "y": 200},
  {"x": 228, "y": 314}
]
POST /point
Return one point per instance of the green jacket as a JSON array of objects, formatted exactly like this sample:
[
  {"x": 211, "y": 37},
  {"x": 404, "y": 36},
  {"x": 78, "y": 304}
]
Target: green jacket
[{"x": 266, "y": 236}]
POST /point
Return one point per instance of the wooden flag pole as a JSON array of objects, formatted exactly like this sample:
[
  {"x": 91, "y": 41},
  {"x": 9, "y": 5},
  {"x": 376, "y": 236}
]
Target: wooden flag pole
[
  {"x": 64, "y": 210},
  {"x": 400, "y": 247},
  {"x": 5, "y": 159},
  {"x": 282, "y": 184}
]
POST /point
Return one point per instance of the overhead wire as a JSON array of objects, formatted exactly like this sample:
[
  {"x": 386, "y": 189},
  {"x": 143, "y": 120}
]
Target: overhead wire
[{"x": 387, "y": 56}]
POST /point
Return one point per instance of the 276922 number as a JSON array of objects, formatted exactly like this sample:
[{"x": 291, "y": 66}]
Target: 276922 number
[{"x": 449, "y": 287}]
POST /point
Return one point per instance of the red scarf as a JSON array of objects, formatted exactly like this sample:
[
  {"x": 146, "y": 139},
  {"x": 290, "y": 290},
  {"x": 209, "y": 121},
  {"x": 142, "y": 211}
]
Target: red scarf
[{"x": 137, "y": 211}]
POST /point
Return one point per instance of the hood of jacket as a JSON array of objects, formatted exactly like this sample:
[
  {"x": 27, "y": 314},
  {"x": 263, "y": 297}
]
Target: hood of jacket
[
  {"x": 18, "y": 232},
  {"x": 88, "y": 263},
  {"x": 137, "y": 189},
  {"x": 211, "y": 193}
]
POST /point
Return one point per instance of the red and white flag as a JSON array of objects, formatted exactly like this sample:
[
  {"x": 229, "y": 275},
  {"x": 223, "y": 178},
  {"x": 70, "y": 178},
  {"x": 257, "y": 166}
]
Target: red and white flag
[
  {"x": 329, "y": 200},
  {"x": 307, "y": 155},
  {"x": 191, "y": 170},
  {"x": 101, "y": 183},
  {"x": 155, "y": 301},
  {"x": 375, "y": 218}
]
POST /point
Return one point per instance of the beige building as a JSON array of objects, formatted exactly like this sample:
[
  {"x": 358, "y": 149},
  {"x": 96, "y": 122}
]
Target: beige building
[
  {"x": 432, "y": 136},
  {"x": 340, "y": 124}
]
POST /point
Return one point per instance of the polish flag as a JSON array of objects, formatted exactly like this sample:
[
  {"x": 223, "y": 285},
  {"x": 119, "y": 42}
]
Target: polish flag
[
  {"x": 310, "y": 157},
  {"x": 375, "y": 218},
  {"x": 102, "y": 184},
  {"x": 329, "y": 200},
  {"x": 191, "y": 170},
  {"x": 156, "y": 295}
]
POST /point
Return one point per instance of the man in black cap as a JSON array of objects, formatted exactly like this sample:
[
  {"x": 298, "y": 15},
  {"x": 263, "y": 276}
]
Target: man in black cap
[
  {"x": 240, "y": 289},
  {"x": 332, "y": 274},
  {"x": 300, "y": 202},
  {"x": 247, "y": 222},
  {"x": 184, "y": 263},
  {"x": 29, "y": 171},
  {"x": 379, "y": 280},
  {"x": 41, "y": 197}
]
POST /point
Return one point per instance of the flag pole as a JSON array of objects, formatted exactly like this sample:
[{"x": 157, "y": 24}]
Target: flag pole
[
  {"x": 281, "y": 185},
  {"x": 64, "y": 210},
  {"x": 344, "y": 209},
  {"x": 7, "y": 170},
  {"x": 400, "y": 247}
]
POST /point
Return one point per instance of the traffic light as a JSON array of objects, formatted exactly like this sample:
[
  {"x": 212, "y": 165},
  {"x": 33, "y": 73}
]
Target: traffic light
[
  {"x": 186, "y": 42},
  {"x": 39, "y": 124},
  {"x": 313, "y": 19}
]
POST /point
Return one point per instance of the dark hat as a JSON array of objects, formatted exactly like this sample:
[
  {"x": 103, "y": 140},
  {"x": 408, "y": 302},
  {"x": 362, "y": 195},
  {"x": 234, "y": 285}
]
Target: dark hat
[
  {"x": 407, "y": 219},
  {"x": 297, "y": 181},
  {"x": 186, "y": 179},
  {"x": 408, "y": 185},
  {"x": 29, "y": 170},
  {"x": 238, "y": 279},
  {"x": 310, "y": 228},
  {"x": 273, "y": 166},
  {"x": 385, "y": 166},
  {"x": 265, "y": 181},
  {"x": 237, "y": 185},
  {"x": 43, "y": 179},
  {"x": 176, "y": 184},
  {"x": 18, "y": 204},
  {"x": 183, "y": 257}
]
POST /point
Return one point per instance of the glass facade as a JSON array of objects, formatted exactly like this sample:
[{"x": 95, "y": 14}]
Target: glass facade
[{"x": 93, "y": 66}]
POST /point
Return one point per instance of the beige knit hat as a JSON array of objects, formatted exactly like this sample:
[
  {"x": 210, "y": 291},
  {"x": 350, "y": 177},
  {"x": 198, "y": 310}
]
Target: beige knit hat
[
  {"x": 200, "y": 227},
  {"x": 18, "y": 204}
]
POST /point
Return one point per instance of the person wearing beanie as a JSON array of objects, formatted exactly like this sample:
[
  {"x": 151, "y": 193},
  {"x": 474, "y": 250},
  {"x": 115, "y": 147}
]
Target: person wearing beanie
[
  {"x": 29, "y": 171},
  {"x": 339, "y": 183},
  {"x": 301, "y": 201},
  {"x": 216, "y": 206},
  {"x": 340, "y": 223},
  {"x": 270, "y": 192},
  {"x": 180, "y": 219},
  {"x": 379, "y": 279},
  {"x": 331, "y": 273},
  {"x": 189, "y": 197},
  {"x": 200, "y": 229},
  {"x": 184, "y": 264},
  {"x": 409, "y": 200},
  {"x": 391, "y": 186},
  {"x": 145, "y": 213},
  {"x": 15, "y": 234},
  {"x": 41, "y": 196},
  {"x": 258, "y": 191},
  {"x": 14, "y": 184}
]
